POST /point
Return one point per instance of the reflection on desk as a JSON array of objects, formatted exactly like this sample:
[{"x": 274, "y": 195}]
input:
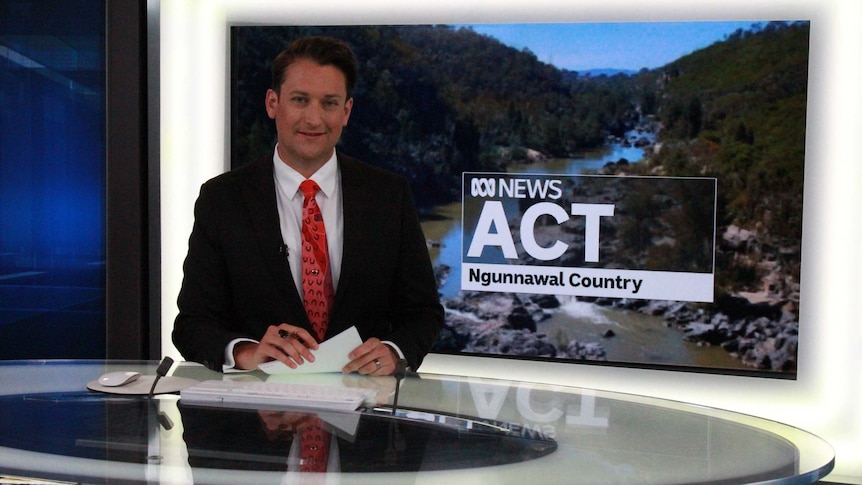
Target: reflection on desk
[
  {"x": 447, "y": 428},
  {"x": 377, "y": 442}
]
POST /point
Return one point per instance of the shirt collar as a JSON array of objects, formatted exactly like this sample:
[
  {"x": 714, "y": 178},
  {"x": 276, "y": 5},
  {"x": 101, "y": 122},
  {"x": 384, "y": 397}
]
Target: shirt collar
[{"x": 290, "y": 179}]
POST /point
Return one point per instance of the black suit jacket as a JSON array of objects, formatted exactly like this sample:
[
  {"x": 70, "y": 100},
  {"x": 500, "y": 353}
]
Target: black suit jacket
[{"x": 237, "y": 281}]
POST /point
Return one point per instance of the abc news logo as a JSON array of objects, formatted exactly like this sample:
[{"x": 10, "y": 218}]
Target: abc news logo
[
  {"x": 492, "y": 229},
  {"x": 483, "y": 187},
  {"x": 516, "y": 188}
]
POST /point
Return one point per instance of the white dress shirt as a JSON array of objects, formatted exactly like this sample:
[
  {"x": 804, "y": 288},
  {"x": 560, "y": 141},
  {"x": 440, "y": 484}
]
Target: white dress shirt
[{"x": 289, "y": 199}]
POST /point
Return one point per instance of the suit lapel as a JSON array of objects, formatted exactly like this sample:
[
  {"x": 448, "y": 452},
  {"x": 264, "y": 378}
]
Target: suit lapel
[
  {"x": 353, "y": 200},
  {"x": 259, "y": 196}
]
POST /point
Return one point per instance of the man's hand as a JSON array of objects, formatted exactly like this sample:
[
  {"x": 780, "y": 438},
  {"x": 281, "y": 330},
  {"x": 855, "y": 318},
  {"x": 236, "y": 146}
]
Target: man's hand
[
  {"x": 288, "y": 344},
  {"x": 373, "y": 357}
]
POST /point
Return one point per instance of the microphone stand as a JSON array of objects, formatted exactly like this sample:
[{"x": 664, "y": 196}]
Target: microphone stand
[
  {"x": 396, "y": 441},
  {"x": 400, "y": 373}
]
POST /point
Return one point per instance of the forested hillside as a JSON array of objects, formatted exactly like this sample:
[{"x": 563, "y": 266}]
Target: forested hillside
[
  {"x": 432, "y": 102},
  {"x": 737, "y": 111}
]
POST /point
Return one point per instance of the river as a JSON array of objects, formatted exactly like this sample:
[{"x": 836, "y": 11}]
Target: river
[{"x": 638, "y": 338}]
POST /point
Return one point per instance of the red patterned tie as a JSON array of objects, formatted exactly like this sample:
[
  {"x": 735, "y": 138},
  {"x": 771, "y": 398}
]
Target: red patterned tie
[
  {"x": 314, "y": 453},
  {"x": 317, "y": 287}
]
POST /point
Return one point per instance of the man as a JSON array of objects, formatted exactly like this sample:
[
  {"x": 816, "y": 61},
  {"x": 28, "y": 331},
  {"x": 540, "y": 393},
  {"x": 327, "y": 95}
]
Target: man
[{"x": 240, "y": 303}]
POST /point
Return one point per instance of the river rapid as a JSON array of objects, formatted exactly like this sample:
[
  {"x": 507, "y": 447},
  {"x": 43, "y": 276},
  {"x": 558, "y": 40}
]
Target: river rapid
[{"x": 637, "y": 338}]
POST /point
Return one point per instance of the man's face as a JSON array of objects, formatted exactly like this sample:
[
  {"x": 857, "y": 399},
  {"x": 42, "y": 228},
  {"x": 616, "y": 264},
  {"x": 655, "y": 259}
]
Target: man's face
[{"x": 310, "y": 111}]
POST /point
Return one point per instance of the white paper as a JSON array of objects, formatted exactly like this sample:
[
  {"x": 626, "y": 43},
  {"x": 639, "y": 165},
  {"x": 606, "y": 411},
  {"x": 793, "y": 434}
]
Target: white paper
[{"x": 330, "y": 356}]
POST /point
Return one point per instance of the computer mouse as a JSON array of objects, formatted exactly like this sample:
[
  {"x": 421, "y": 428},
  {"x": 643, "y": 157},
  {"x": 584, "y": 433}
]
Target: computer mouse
[{"x": 119, "y": 378}]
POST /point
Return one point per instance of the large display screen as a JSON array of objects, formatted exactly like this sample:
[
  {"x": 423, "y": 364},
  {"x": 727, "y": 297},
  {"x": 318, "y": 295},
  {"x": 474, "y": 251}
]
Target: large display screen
[{"x": 621, "y": 194}]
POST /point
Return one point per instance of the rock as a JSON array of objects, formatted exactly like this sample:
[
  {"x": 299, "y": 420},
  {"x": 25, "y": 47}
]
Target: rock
[
  {"x": 655, "y": 307},
  {"x": 521, "y": 319},
  {"x": 546, "y": 301},
  {"x": 732, "y": 346},
  {"x": 702, "y": 332},
  {"x": 735, "y": 237},
  {"x": 605, "y": 301},
  {"x": 512, "y": 342},
  {"x": 450, "y": 341},
  {"x": 680, "y": 313},
  {"x": 736, "y": 307},
  {"x": 441, "y": 274},
  {"x": 589, "y": 351},
  {"x": 642, "y": 142}
]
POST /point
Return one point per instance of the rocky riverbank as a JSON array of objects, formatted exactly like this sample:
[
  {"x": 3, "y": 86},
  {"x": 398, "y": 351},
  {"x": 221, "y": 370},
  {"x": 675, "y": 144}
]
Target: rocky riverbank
[
  {"x": 506, "y": 323},
  {"x": 760, "y": 326},
  {"x": 762, "y": 335}
]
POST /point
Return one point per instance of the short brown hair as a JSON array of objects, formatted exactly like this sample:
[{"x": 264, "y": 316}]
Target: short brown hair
[{"x": 325, "y": 51}]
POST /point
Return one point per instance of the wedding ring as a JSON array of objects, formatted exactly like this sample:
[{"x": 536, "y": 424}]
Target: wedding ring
[
  {"x": 377, "y": 363},
  {"x": 285, "y": 334}
]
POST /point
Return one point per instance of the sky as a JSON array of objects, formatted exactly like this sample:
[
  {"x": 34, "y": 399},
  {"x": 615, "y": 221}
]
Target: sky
[{"x": 629, "y": 45}]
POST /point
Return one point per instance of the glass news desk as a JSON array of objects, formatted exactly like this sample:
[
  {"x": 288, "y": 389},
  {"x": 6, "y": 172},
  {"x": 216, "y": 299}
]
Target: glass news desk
[{"x": 446, "y": 429}]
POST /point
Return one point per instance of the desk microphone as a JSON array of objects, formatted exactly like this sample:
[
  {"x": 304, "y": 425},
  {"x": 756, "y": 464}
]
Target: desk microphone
[
  {"x": 400, "y": 372},
  {"x": 161, "y": 371}
]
